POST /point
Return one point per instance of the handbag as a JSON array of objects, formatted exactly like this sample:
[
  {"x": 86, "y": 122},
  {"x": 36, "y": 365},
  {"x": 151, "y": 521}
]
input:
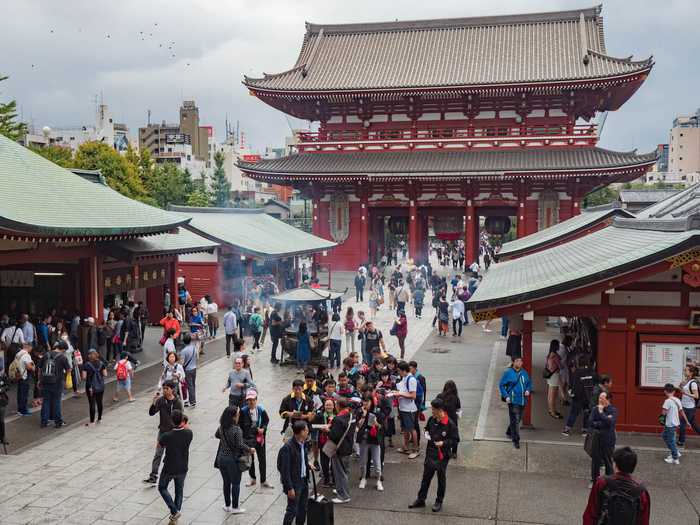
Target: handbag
[
  {"x": 330, "y": 449},
  {"x": 163, "y": 339},
  {"x": 243, "y": 461},
  {"x": 393, "y": 329},
  {"x": 69, "y": 380},
  {"x": 590, "y": 444},
  {"x": 547, "y": 373}
]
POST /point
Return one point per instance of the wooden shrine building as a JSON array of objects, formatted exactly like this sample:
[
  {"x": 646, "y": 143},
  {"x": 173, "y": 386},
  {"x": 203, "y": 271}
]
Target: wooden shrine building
[
  {"x": 433, "y": 124},
  {"x": 635, "y": 282}
]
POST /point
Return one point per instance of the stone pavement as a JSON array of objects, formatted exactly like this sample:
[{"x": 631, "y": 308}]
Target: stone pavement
[{"x": 93, "y": 475}]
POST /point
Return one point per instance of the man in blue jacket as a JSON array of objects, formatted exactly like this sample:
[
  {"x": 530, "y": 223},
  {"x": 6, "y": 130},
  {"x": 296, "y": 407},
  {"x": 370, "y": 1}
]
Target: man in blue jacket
[{"x": 515, "y": 389}]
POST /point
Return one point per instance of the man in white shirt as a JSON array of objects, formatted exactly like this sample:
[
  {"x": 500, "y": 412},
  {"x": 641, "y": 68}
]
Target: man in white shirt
[
  {"x": 457, "y": 307},
  {"x": 406, "y": 392},
  {"x": 25, "y": 365},
  {"x": 230, "y": 327},
  {"x": 673, "y": 411},
  {"x": 11, "y": 334}
]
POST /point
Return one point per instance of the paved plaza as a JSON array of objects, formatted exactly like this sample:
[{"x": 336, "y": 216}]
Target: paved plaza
[{"x": 93, "y": 475}]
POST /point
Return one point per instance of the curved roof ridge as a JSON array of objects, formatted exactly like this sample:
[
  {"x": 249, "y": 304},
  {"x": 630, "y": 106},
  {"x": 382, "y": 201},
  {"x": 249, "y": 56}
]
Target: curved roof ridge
[
  {"x": 626, "y": 60},
  {"x": 447, "y": 23}
]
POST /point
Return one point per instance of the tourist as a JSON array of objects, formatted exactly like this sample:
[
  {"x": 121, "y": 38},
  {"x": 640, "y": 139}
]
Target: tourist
[
  {"x": 294, "y": 467},
  {"x": 443, "y": 315},
  {"x": 583, "y": 381},
  {"x": 212, "y": 316},
  {"x": 690, "y": 388},
  {"x": 350, "y": 329},
  {"x": 230, "y": 327},
  {"x": 323, "y": 418},
  {"x": 441, "y": 434},
  {"x": 403, "y": 295},
  {"x": 176, "y": 445},
  {"x": 94, "y": 373},
  {"x": 53, "y": 368},
  {"x": 141, "y": 315},
  {"x": 418, "y": 299},
  {"x": 370, "y": 436},
  {"x": 196, "y": 324},
  {"x": 620, "y": 487},
  {"x": 164, "y": 405},
  {"x": 175, "y": 373},
  {"x": 125, "y": 374},
  {"x": 373, "y": 339},
  {"x": 514, "y": 388},
  {"x": 400, "y": 331},
  {"x": 359, "y": 287},
  {"x": 189, "y": 358},
  {"x": 361, "y": 329},
  {"x": 232, "y": 447},
  {"x": 23, "y": 368},
  {"x": 275, "y": 331},
  {"x": 672, "y": 411},
  {"x": 421, "y": 395},
  {"x": 373, "y": 303},
  {"x": 604, "y": 385},
  {"x": 452, "y": 405},
  {"x": 239, "y": 380},
  {"x": 342, "y": 434},
  {"x": 255, "y": 322},
  {"x": 551, "y": 375},
  {"x": 457, "y": 310},
  {"x": 295, "y": 407},
  {"x": 335, "y": 339},
  {"x": 12, "y": 340},
  {"x": 406, "y": 392},
  {"x": 108, "y": 329},
  {"x": 253, "y": 421},
  {"x": 603, "y": 419},
  {"x": 303, "y": 347},
  {"x": 169, "y": 344}
]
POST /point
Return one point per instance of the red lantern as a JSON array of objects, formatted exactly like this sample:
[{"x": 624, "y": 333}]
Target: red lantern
[{"x": 497, "y": 225}]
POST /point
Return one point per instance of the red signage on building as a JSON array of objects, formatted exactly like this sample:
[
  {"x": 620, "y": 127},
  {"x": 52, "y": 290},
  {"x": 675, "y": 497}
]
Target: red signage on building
[{"x": 250, "y": 158}]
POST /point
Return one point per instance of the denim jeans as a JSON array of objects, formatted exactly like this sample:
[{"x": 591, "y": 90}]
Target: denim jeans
[
  {"x": 515, "y": 414},
  {"x": 504, "y": 326},
  {"x": 669, "y": 436},
  {"x": 51, "y": 404},
  {"x": 577, "y": 406},
  {"x": 163, "y": 482},
  {"x": 22, "y": 396},
  {"x": 690, "y": 413},
  {"x": 334, "y": 353}
]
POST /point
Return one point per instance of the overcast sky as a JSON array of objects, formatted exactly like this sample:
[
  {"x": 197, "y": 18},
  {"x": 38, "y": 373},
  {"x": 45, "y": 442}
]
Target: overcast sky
[{"x": 152, "y": 54}]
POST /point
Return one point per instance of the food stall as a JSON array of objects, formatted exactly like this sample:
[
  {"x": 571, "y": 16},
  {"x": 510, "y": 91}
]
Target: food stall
[{"x": 312, "y": 305}]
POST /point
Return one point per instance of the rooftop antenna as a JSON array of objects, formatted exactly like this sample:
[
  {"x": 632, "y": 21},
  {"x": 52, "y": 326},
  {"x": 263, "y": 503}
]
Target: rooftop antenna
[{"x": 149, "y": 116}]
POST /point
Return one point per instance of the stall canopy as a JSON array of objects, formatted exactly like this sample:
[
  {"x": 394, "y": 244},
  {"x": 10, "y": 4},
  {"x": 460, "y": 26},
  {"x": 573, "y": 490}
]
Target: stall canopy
[
  {"x": 42, "y": 199},
  {"x": 252, "y": 232},
  {"x": 626, "y": 246},
  {"x": 306, "y": 295},
  {"x": 561, "y": 231}
]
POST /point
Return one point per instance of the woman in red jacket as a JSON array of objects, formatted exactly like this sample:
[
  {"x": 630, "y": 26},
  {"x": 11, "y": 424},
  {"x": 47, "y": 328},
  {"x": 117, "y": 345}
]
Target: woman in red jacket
[{"x": 167, "y": 323}]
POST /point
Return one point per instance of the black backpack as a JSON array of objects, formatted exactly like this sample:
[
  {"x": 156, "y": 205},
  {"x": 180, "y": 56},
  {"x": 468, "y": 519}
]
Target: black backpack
[
  {"x": 48, "y": 373},
  {"x": 620, "y": 502}
]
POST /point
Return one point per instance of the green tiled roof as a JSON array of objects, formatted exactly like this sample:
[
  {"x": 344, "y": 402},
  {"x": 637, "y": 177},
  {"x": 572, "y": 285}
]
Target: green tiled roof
[
  {"x": 587, "y": 260},
  {"x": 184, "y": 241},
  {"x": 41, "y": 198},
  {"x": 252, "y": 231},
  {"x": 559, "y": 231},
  {"x": 678, "y": 204}
]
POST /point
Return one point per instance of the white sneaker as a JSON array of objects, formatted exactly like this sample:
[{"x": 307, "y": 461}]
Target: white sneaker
[
  {"x": 340, "y": 501},
  {"x": 237, "y": 511},
  {"x": 671, "y": 461},
  {"x": 380, "y": 486},
  {"x": 363, "y": 483},
  {"x": 227, "y": 509}
]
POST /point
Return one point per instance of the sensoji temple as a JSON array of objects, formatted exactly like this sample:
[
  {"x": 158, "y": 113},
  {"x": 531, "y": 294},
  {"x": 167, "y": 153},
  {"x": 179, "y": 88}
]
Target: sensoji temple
[
  {"x": 635, "y": 284},
  {"x": 434, "y": 124}
]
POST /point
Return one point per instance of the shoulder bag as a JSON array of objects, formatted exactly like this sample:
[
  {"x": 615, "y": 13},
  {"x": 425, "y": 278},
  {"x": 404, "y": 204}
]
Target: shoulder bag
[{"x": 330, "y": 449}]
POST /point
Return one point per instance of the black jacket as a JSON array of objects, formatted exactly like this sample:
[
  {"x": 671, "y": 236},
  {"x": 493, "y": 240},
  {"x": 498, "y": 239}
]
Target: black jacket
[
  {"x": 250, "y": 427},
  {"x": 338, "y": 427},
  {"x": 447, "y": 433},
  {"x": 289, "y": 404},
  {"x": 165, "y": 408},
  {"x": 289, "y": 464}
]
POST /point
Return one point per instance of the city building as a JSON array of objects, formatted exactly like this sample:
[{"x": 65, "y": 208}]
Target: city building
[
  {"x": 168, "y": 142},
  {"x": 684, "y": 147},
  {"x": 662, "y": 161},
  {"x": 437, "y": 123},
  {"x": 633, "y": 289},
  {"x": 103, "y": 130},
  {"x": 676, "y": 178}
]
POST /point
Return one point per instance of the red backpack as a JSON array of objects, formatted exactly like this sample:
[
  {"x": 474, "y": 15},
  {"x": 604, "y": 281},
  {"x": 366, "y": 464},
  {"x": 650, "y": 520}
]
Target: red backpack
[{"x": 122, "y": 370}]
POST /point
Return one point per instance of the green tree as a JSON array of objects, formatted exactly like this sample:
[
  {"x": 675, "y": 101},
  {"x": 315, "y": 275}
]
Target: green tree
[
  {"x": 168, "y": 184},
  {"x": 600, "y": 196},
  {"x": 63, "y": 156},
  {"x": 121, "y": 174},
  {"x": 220, "y": 185},
  {"x": 199, "y": 198},
  {"x": 9, "y": 126}
]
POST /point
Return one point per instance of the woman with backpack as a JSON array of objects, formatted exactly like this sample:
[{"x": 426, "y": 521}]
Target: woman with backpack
[
  {"x": 690, "y": 388},
  {"x": 551, "y": 375},
  {"x": 256, "y": 325},
  {"x": 94, "y": 373},
  {"x": 124, "y": 372}
]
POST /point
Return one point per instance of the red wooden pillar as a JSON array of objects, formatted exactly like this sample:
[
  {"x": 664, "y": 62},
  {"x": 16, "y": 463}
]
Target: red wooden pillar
[
  {"x": 527, "y": 365},
  {"x": 364, "y": 229},
  {"x": 413, "y": 241},
  {"x": 249, "y": 267},
  {"x": 521, "y": 226},
  {"x": 90, "y": 284},
  {"x": 471, "y": 247},
  {"x": 315, "y": 229}
]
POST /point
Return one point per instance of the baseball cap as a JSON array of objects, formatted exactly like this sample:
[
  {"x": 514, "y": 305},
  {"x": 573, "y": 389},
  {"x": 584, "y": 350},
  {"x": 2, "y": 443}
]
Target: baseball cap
[{"x": 252, "y": 394}]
